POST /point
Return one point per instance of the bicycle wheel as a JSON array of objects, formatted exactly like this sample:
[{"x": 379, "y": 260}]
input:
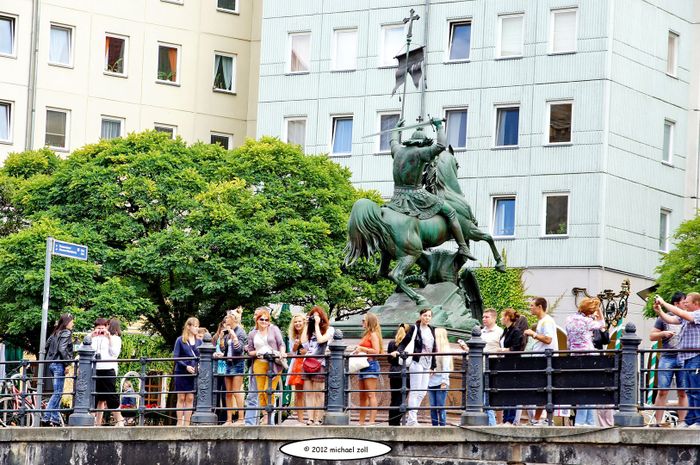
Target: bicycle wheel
[{"x": 8, "y": 416}]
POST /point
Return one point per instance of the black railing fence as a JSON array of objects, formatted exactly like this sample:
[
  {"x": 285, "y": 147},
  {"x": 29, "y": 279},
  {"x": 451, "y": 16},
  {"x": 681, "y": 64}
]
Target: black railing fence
[{"x": 479, "y": 382}]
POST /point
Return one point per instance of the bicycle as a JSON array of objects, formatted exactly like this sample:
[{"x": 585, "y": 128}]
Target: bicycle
[{"x": 17, "y": 409}]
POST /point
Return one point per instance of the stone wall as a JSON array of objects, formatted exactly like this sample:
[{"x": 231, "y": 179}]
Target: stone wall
[{"x": 410, "y": 446}]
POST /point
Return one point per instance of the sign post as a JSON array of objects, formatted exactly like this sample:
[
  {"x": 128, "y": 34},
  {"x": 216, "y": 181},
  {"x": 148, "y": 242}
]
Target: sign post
[{"x": 63, "y": 249}]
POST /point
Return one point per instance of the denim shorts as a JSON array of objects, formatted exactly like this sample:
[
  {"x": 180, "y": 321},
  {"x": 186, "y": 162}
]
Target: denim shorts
[
  {"x": 235, "y": 367},
  {"x": 372, "y": 371},
  {"x": 665, "y": 371}
]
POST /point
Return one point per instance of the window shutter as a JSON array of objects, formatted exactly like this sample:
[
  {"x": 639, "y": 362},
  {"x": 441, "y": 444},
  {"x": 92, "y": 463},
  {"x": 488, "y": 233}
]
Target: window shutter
[
  {"x": 564, "y": 39},
  {"x": 511, "y": 36}
]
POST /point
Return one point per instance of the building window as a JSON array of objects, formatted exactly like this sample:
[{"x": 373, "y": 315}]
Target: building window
[
  {"x": 460, "y": 40},
  {"x": 177, "y": 2},
  {"x": 345, "y": 49},
  {"x": 295, "y": 131},
  {"x": 61, "y": 45},
  {"x": 166, "y": 128},
  {"x": 507, "y": 121},
  {"x": 559, "y": 122},
  {"x": 556, "y": 214},
  {"x": 341, "y": 138},
  {"x": 228, "y": 6},
  {"x": 664, "y": 221},
  {"x": 667, "y": 153},
  {"x": 7, "y": 35},
  {"x": 562, "y": 33},
  {"x": 224, "y": 140},
  {"x": 56, "y": 129},
  {"x": 672, "y": 58},
  {"x": 510, "y": 36},
  {"x": 111, "y": 127},
  {"x": 115, "y": 54},
  {"x": 5, "y": 122},
  {"x": 393, "y": 42},
  {"x": 387, "y": 121},
  {"x": 299, "y": 52},
  {"x": 503, "y": 216},
  {"x": 225, "y": 72},
  {"x": 456, "y": 128},
  {"x": 168, "y": 62}
]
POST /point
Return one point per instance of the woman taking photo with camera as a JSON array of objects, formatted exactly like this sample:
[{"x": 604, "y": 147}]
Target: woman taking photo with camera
[
  {"x": 186, "y": 345},
  {"x": 315, "y": 340},
  {"x": 295, "y": 330},
  {"x": 107, "y": 346}
]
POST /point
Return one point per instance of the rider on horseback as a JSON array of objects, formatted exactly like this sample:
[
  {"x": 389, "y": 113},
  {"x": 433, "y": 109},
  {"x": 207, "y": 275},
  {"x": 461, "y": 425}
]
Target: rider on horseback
[{"x": 410, "y": 197}]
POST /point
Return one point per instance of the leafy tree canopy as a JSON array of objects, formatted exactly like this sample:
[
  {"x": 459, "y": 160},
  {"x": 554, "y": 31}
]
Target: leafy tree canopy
[{"x": 175, "y": 231}]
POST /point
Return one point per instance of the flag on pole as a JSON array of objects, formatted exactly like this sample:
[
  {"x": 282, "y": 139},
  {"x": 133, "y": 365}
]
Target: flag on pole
[{"x": 415, "y": 67}]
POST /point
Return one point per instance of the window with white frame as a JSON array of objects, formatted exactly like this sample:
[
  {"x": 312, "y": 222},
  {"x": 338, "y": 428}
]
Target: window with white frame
[
  {"x": 295, "y": 131},
  {"x": 228, "y": 6},
  {"x": 111, "y": 127},
  {"x": 510, "y": 36},
  {"x": 7, "y": 35},
  {"x": 166, "y": 128},
  {"x": 667, "y": 152},
  {"x": 456, "y": 127},
  {"x": 56, "y": 135},
  {"x": 115, "y": 54},
  {"x": 664, "y": 222},
  {"x": 177, "y": 2},
  {"x": 562, "y": 32},
  {"x": 507, "y": 125},
  {"x": 344, "y": 49},
  {"x": 224, "y": 140},
  {"x": 387, "y": 121},
  {"x": 168, "y": 63},
  {"x": 5, "y": 121},
  {"x": 393, "y": 42},
  {"x": 559, "y": 114},
  {"x": 556, "y": 214},
  {"x": 672, "y": 54},
  {"x": 61, "y": 45},
  {"x": 460, "y": 40},
  {"x": 299, "y": 52},
  {"x": 225, "y": 72},
  {"x": 341, "y": 137},
  {"x": 503, "y": 216}
]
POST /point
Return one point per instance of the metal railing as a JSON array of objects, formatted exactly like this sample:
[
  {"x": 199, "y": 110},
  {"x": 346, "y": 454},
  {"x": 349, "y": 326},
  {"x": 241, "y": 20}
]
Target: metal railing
[{"x": 481, "y": 382}]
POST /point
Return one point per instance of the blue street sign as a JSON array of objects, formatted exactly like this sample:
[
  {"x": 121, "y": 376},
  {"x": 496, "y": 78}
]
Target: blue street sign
[{"x": 67, "y": 249}]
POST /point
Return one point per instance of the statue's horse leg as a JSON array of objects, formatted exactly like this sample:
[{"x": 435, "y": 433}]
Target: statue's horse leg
[
  {"x": 475, "y": 234},
  {"x": 383, "y": 271},
  {"x": 398, "y": 274}
]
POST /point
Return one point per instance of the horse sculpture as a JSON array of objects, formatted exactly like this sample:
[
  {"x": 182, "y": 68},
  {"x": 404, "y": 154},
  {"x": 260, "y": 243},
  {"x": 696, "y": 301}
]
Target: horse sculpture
[{"x": 372, "y": 228}]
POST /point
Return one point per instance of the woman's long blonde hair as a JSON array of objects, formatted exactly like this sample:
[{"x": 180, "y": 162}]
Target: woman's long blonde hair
[
  {"x": 291, "y": 332},
  {"x": 373, "y": 326},
  {"x": 191, "y": 321},
  {"x": 444, "y": 362}
]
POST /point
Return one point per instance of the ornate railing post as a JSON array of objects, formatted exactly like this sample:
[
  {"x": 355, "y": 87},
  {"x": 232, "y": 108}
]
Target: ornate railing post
[
  {"x": 83, "y": 386},
  {"x": 473, "y": 414},
  {"x": 629, "y": 415},
  {"x": 204, "y": 412},
  {"x": 336, "y": 412}
]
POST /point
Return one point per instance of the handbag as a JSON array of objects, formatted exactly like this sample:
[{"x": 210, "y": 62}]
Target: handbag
[
  {"x": 311, "y": 365},
  {"x": 409, "y": 348},
  {"x": 356, "y": 364}
]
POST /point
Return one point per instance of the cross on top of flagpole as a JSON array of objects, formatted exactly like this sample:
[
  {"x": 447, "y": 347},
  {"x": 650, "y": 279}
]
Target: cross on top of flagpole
[{"x": 411, "y": 17}]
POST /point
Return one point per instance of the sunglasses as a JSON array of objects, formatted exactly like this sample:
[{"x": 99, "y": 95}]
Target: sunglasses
[{"x": 263, "y": 319}]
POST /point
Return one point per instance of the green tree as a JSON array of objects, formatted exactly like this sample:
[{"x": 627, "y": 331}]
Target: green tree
[{"x": 177, "y": 231}]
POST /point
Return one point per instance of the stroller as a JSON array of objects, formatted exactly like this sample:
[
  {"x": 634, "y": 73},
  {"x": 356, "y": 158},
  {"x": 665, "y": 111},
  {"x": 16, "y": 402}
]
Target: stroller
[{"x": 129, "y": 386}]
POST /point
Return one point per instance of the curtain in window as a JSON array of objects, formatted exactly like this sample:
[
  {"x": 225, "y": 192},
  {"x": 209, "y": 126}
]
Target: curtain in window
[
  {"x": 296, "y": 132},
  {"x": 564, "y": 39},
  {"x": 301, "y": 52},
  {"x": 6, "y": 35},
  {"x": 222, "y": 77},
  {"x": 668, "y": 129},
  {"x": 172, "y": 60},
  {"x": 671, "y": 54},
  {"x": 508, "y": 126},
  {"x": 4, "y": 121},
  {"x": 114, "y": 54},
  {"x": 345, "y": 49},
  {"x": 505, "y": 217},
  {"x": 111, "y": 129},
  {"x": 461, "y": 41},
  {"x": 342, "y": 135},
  {"x": 457, "y": 128},
  {"x": 511, "y": 36},
  {"x": 59, "y": 49},
  {"x": 560, "y": 123},
  {"x": 386, "y": 122},
  {"x": 55, "y": 128}
]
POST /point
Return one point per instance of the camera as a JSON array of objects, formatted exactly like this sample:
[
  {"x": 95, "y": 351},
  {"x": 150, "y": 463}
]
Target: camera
[
  {"x": 226, "y": 331},
  {"x": 461, "y": 342}
]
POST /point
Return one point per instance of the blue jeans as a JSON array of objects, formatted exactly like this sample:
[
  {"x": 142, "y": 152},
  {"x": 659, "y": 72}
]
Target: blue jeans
[
  {"x": 51, "y": 414},
  {"x": 667, "y": 370},
  {"x": 693, "y": 391},
  {"x": 251, "y": 402},
  {"x": 585, "y": 416},
  {"x": 437, "y": 398},
  {"x": 509, "y": 416}
]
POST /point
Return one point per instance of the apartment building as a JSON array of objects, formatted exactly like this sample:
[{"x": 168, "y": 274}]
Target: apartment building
[
  {"x": 72, "y": 71},
  {"x": 575, "y": 123}
]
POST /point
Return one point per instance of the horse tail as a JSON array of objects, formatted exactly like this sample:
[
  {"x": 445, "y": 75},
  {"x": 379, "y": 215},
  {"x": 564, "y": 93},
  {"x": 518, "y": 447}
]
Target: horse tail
[{"x": 367, "y": 232}]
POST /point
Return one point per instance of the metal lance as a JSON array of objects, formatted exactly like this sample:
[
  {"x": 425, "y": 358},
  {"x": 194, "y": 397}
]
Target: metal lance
[{"x": 411, "y": 17}]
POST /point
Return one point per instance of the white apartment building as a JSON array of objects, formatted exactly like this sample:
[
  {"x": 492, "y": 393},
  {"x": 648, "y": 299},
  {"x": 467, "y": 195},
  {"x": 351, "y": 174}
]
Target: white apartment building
[
  {"x": 72, "y": 71},
  {"x": 575, "y": 123}
]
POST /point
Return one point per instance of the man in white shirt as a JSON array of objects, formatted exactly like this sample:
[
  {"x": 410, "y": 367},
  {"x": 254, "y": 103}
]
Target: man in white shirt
[{"x": 491, "y": 334}]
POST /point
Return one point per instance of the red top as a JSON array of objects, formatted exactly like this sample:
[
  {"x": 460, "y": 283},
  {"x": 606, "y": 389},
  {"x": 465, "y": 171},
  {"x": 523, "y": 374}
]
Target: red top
[{"x": 367, "y": 342}]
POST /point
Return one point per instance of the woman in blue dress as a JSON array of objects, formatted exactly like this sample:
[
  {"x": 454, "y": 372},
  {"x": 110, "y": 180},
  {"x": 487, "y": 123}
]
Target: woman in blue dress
[{"x": 186, "y": 345}]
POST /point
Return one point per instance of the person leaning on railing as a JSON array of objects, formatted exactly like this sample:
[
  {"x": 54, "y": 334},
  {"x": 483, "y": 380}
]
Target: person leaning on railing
[
  {"x": 186, "y": 345},
  {"x": 314, "y": 339},
  {"x": 60, "y": 353},
  {"x": 294, "y": 380},
  {"x": 395, "y": 380},
  {"x": 370, "y": 344},
  {"x": 439, "y": 381}
]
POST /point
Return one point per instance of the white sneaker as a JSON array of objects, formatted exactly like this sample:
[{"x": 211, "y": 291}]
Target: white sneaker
[
  {"x": 695, "y": 426},
  {"x": 682, "y": 424}
]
